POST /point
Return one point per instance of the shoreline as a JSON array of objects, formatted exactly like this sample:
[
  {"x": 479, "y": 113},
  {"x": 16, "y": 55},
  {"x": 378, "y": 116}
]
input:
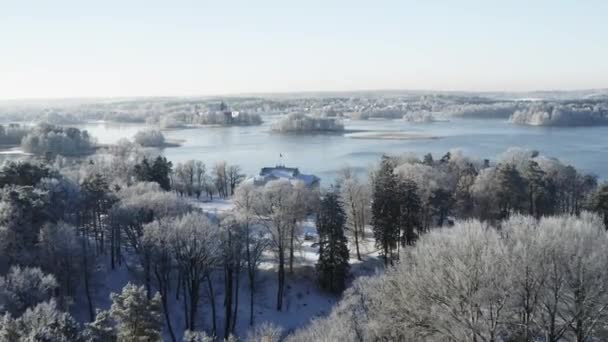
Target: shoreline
[{"x": 392, "y": 135}]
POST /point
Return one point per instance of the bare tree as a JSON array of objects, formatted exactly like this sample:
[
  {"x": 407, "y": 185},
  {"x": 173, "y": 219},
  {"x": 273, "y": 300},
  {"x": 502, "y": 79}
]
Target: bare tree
[
  {"x": 220, "y": 174},
  {"x": 194, "y": 241},
  {"x": 274, "y": 211},
  {"x": 356, "y": 199},
  {"x": 255, "y": 242},
  {"x": 157, "y": 241},
  {"x": 235, "y": 176}
]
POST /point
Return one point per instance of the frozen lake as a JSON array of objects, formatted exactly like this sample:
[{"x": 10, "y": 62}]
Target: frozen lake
[{"x": 323, "y": 154}]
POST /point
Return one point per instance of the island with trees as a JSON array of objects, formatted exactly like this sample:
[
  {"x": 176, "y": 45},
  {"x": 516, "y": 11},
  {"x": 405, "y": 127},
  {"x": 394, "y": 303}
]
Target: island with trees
[{"x": 302, "y": 123}]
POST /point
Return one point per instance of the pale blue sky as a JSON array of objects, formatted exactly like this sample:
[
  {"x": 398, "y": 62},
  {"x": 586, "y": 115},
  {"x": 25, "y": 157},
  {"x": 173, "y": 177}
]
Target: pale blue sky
[{"x": 63, "y": 48}]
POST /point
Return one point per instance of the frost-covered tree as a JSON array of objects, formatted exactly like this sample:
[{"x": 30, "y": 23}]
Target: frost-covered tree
[
  {"x": 45, "y": 322},
  {"x": 298, "y": 123},
  {"x": 410, "y": 210},
  {"x": 531, "y": 280},
  {"x": 150, "y": 138},
  {"x": 303, "y": 201},
  {"x": 97, "y": 201},
  {"x": 117, "y": 162},
  {"x": 220, "y": 178},
  {"x": 156, "y": 171},
  {"x": 9, "y": 331},
  {"x": 12, "y": 134},
  {"x": 24, "y": 287},
  {"x": 66, "y": 198},
  {"x": 102, "y": 329},
  {"x": 428, "y": 181},
  {"x": 24, "y": 173},
  {"x": 511, "y": 190},
  {"x": 138, "y": 205},
  {"x": 157, "y": 242},
  {"x": 355, "y": 196},
  {"x": 235, "y": 176},
  {"x": 386, "y": 209},
  {"x": 275, "y": 210},
  {"x": 600, "y": 203},
  {"x": 194, "y": 242},
  {"x": 137, "y": 317},
  {"x": 266, "y": 332},
  {"x": 59, "y": 249},
  {"x": 332, "y": 265},
  {"x": 48, "y": 140},
  {"x": 197, "y": 336},
  {"x": 256, "y": 243},
  {"x": 189, "y": 178},
  {"x": 233, "y": 239},
  {"x": 463, "y": 201},
  {"x": 23, "y": 211}
]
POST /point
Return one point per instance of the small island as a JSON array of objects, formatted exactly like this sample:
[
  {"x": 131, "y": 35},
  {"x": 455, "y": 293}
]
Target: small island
[
  {"x": 302, "y": 123},
  {"x": 220, "y": 115},
  {"x": 419, "y": 117},
  {"x": 49, "y": 140},
  {"x": 154, "y": 138},
  {"x": 562, "y": 114}
]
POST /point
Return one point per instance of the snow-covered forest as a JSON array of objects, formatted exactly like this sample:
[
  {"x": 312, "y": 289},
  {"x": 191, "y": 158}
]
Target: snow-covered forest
[
  {"x": 311, "y": 111},
  {"x": 311, "y": 171},
  {"x": 123, "y": 245}
]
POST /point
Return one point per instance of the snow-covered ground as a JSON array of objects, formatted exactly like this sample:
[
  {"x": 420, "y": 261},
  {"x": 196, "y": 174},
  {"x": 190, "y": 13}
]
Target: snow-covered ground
[
  {"x": 217, "y": 206},
  {"x": 303, "y": 299}
]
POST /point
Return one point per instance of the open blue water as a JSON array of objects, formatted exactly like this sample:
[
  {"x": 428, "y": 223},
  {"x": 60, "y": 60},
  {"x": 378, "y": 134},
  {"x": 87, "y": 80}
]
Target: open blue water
[{"x": 254, "y": 147}]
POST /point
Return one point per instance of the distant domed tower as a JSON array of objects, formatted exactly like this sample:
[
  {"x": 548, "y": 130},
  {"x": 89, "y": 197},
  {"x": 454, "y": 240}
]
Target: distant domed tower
[
  {"x": 223, "y": 107},
  {"x": 228, "y": 117}
]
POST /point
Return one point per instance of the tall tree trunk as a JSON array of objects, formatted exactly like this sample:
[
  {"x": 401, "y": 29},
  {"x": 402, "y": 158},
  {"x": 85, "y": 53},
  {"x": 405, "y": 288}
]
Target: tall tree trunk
[
  {"x": 179, "y": 284},
  {"x": 281, "y": 282},
  {"x": 162, "y": 285},
  {"x": 291, "y": 246},
  {"x": 251, "y": 274},
  {"x": 119, "y": 247},
  {"x": 228, "y": 302},
  {"x": 86, "y": 279},
  {"x": 212, "y": 297},
  {"x": 236, "y": 297},
  {"x": 186, "y": 317},
  {"x": 100, "y": 225},
  {"x": 147, "y": 275},
  {"x": 194, "y": 296},
  {"x": 112, "y": 246},
  {"x": 357, "y": 242},
  {"x": 251, "y": 300}
]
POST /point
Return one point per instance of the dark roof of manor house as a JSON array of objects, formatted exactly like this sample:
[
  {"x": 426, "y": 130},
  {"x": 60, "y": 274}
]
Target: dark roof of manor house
[
  {"x": 292, "y": 171},
  {"x": 289, "y": 173}
]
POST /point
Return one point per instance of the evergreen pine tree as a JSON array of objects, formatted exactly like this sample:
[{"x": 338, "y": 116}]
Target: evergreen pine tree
[
  {"x": 600, "y": 203},
  {"x": 8, "y": 328},
  {"x": 385, "y": 209},
  {"x": 160, "y": 171},
  {"x": 332, "y": 266},
  {"x": 511, "y": 191},
  {"x": 409, "y": 211},
  {"x": 45, "y": 322},
  {"x": 137, "y": 317},
  {"x": 157, "y": 172},
  {"x": 102, "y": 329},
  {"x": 535, "y": 179}
]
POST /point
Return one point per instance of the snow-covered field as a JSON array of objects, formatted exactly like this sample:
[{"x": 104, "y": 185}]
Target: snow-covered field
[{"x": 303, "y": 299}]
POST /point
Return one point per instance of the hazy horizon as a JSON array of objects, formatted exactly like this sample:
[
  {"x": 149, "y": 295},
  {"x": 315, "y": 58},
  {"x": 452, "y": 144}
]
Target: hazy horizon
[
  {"x": 67, "y": 49},
  {"x": 304, "y": 93}
]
